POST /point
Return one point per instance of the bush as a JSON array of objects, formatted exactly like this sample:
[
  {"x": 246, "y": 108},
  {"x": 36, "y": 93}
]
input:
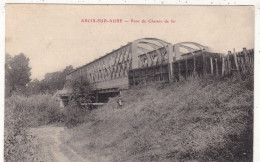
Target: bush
[
  {"x": 35, "y": 110},
  {"x": 75, "y": 115}
]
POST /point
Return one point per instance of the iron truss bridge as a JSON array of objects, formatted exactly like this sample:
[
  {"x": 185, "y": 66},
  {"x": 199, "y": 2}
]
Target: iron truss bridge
[{"x": 146, "y": 60}]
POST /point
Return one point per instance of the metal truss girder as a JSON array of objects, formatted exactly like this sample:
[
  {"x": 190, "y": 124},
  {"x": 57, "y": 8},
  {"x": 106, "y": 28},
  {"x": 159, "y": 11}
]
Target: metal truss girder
[
  {"x": 151, "y": 44},
  {"x": 164, "y": 43},
  {"x": 143, "y": 49},
  {"x": 188, "y": 48},
  {"x": 201, "y": 47}
]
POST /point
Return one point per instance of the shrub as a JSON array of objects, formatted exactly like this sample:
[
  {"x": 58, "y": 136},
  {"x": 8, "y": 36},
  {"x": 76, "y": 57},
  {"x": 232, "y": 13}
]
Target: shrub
[
  {"x": 75, "y": 115},
  {"x": 36, "y": 110}
]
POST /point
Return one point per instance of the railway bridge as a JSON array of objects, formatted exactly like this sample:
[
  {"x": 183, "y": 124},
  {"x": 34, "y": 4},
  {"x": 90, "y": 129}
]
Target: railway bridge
[{"x": 143, "y": 60}]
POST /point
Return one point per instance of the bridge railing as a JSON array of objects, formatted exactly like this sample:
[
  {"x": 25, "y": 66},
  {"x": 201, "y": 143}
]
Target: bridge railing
[{"x": 149, "y": 74}]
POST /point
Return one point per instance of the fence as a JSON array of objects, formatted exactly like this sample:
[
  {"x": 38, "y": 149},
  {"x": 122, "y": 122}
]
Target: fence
[
  {"x": 196, "y": 65},
  {"x": 240, "y": 62}
]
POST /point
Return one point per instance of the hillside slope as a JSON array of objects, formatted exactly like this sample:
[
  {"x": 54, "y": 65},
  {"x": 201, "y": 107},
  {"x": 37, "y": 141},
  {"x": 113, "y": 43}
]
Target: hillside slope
[{"x": 189, "y": 121}]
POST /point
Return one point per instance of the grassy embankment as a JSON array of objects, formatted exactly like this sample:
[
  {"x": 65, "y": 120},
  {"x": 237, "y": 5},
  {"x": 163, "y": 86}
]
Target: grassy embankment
[
  {"x": 189, "y": 121},
  {"x": 21, "y": 113}
]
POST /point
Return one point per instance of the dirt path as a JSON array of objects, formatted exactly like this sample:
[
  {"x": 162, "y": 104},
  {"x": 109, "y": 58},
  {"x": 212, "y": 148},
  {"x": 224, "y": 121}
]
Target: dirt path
[{"x": 51, "y": 146}]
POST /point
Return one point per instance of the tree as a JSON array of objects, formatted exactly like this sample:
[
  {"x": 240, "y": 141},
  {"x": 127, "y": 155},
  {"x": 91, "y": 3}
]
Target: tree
[
  {"x": 55, "y": 81},
  {"x": 68, "y": 69},
  {"x": 17, "y": 73},
  {"x": 7, "y": 74},
  {"x": 34, "y": 87},
  {"x": 81, "y": 90}
]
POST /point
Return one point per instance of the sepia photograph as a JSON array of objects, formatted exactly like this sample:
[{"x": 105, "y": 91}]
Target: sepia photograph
[{"x": 134, "y": 83}]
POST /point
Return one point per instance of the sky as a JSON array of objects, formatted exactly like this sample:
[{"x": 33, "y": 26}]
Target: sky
[{"x": 53, "y": 36}]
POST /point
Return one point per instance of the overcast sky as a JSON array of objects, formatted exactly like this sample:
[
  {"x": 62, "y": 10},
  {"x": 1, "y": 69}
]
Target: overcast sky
[{"x": 53, "y": 36}]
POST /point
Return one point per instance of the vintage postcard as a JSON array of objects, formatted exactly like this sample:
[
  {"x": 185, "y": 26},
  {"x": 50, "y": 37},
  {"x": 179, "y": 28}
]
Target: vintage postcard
[{"x": 129, "y": 82}]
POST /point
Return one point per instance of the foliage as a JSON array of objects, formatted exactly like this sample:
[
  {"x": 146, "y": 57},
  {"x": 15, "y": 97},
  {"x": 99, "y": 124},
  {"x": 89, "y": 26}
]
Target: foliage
[
  {"x": 81, "y": 92},
  {"x": 17, "y": 78},
  {"x": 51, "y": 82},
  {"x": 56, "y": 80},
  {"x": 17, "y": 73},
  {"x": 36, "y": 110},
  {"x": 34, "y": 87},
  {"x": 20, "y": 114},
  {"x": 18, "y": 143},
  {"x": 189, "y": 121},
  {"x": 75, "y": 115}
]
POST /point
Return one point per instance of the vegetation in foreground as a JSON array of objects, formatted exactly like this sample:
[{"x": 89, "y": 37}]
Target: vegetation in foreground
[
  {"x": 189, "y": 121},
  {"x": 28, "y": 104},
  {"x": 22, "y": 113}
]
